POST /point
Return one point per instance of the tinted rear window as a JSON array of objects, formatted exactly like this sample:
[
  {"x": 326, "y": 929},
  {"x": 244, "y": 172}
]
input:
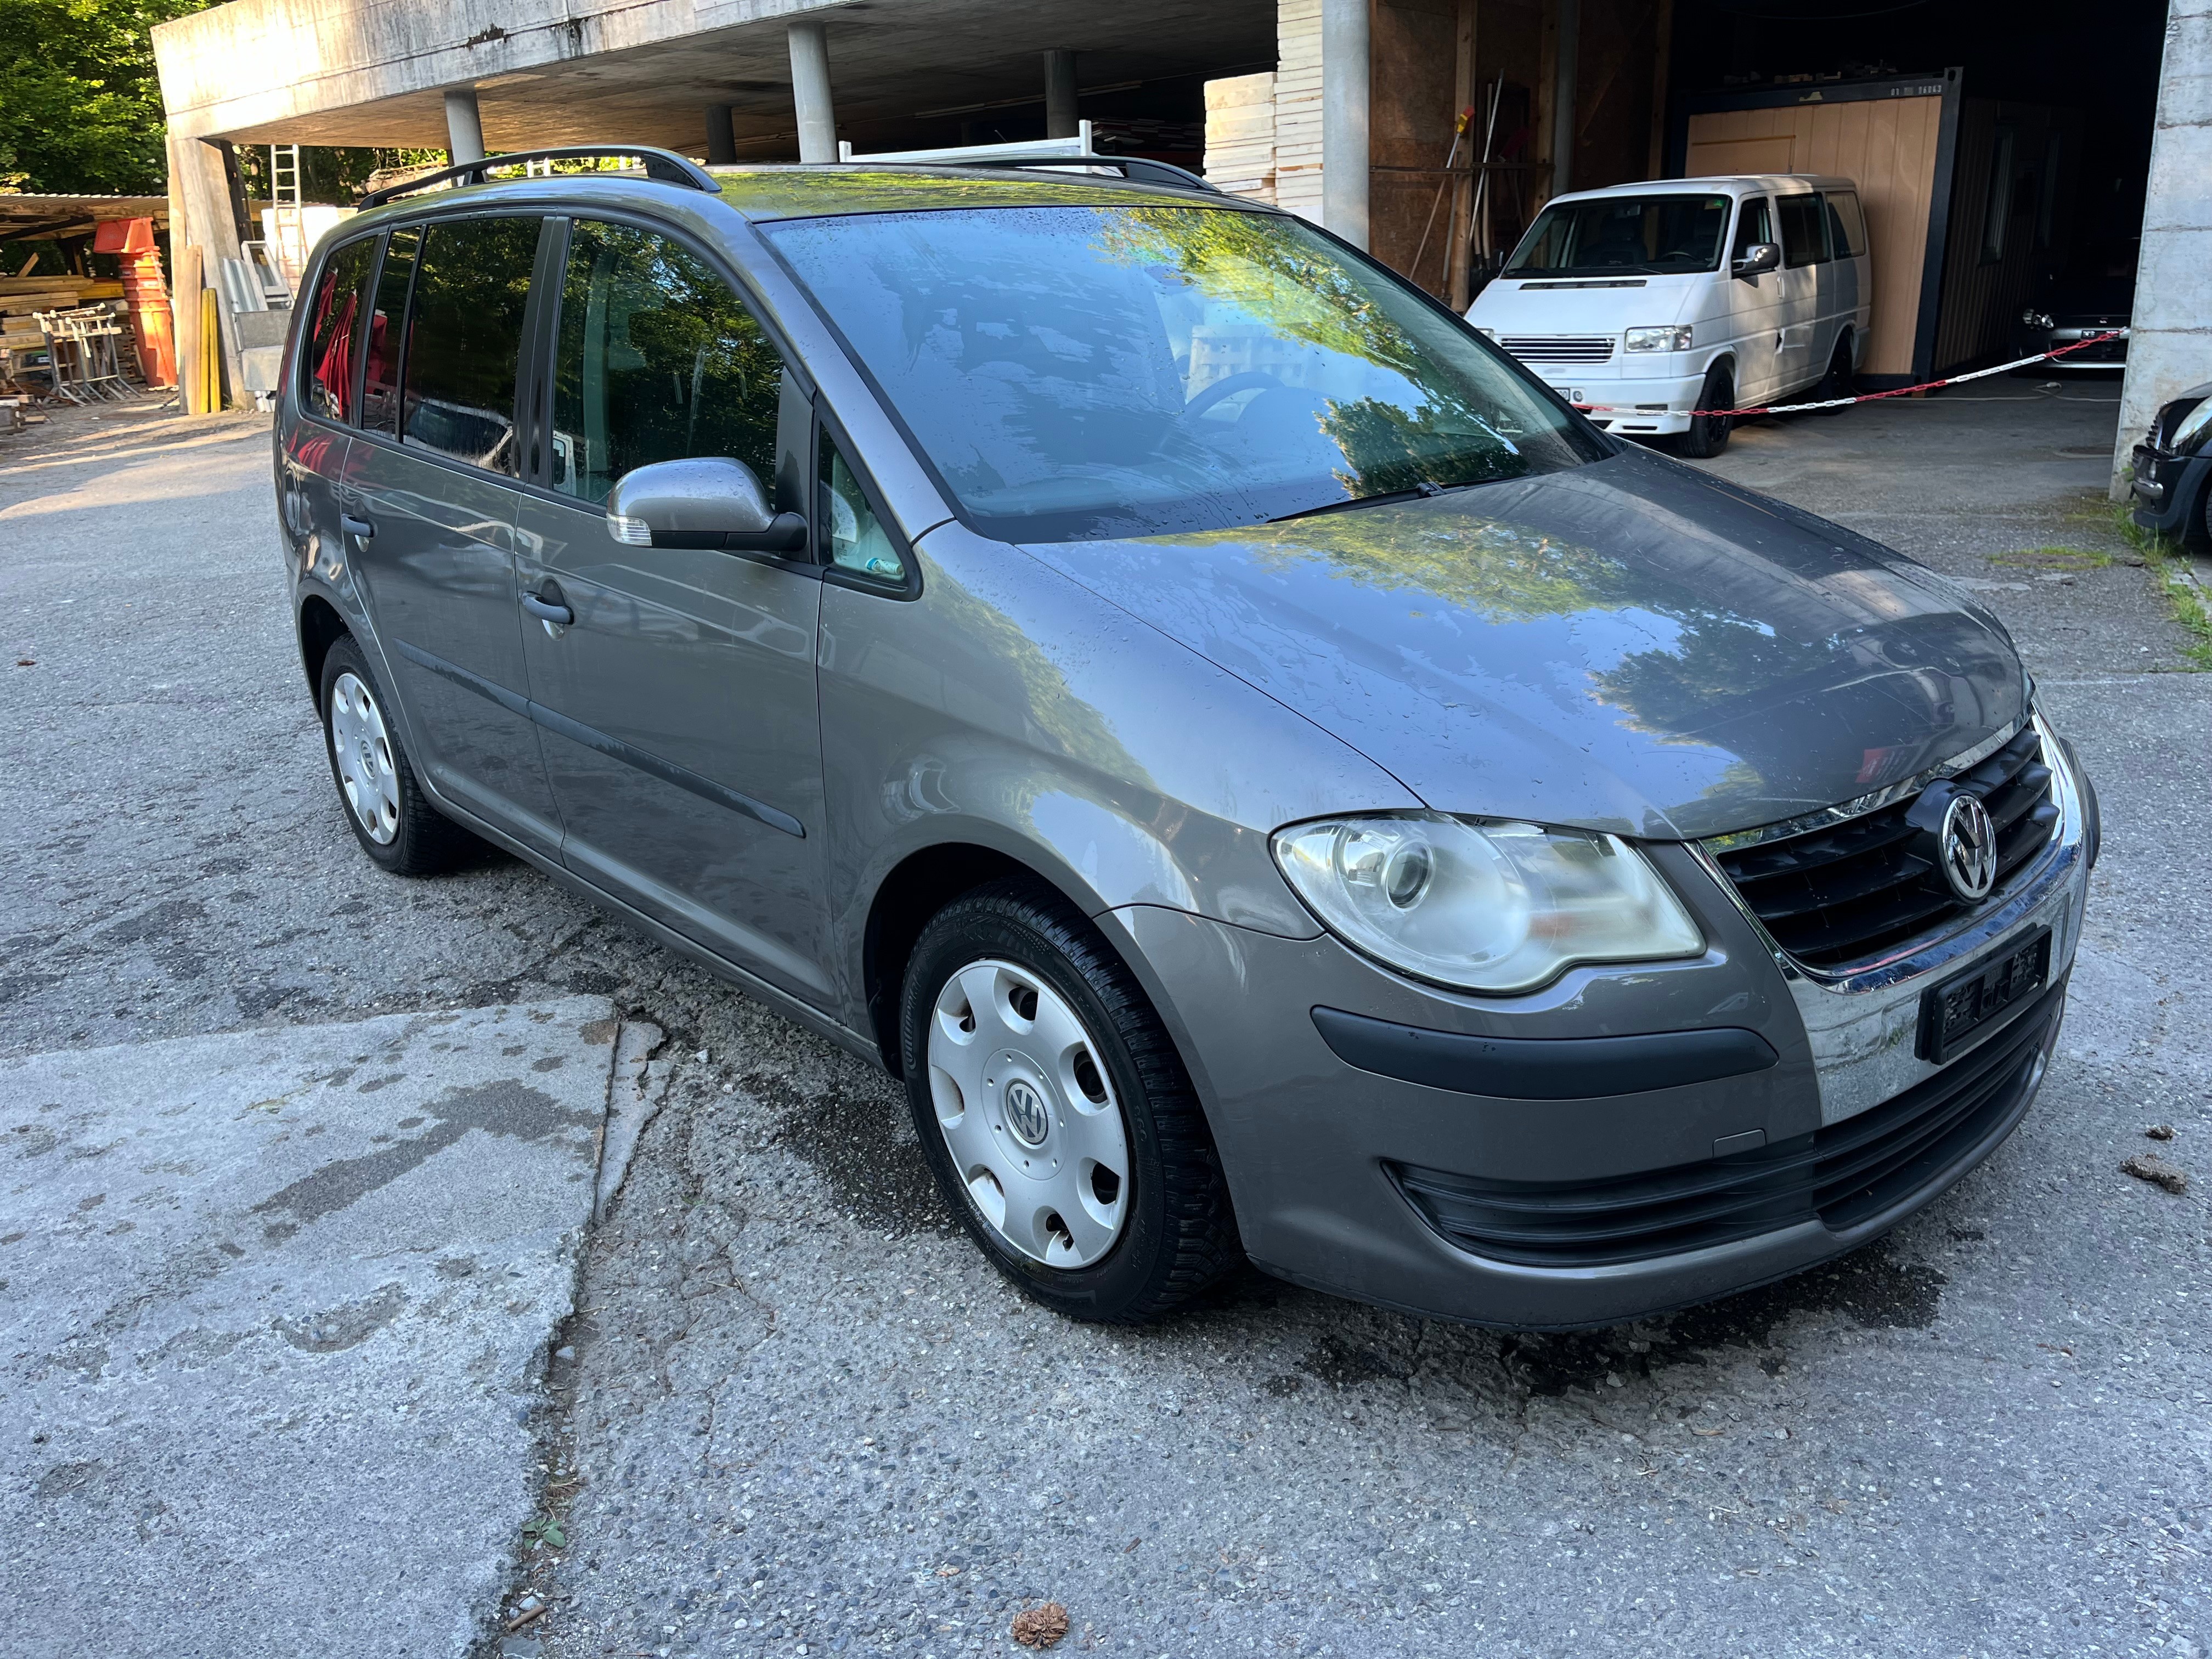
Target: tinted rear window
[
  {"x": 1846, "y": 227},
  {"x": 330, "y": 354},
  {"x": 1804, "y": 229},
  {"x": 465, "y": 338}
]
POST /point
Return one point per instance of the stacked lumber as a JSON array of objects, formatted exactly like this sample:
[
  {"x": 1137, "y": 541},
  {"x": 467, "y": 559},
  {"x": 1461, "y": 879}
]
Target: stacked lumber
[{"x": 1240, "y": 135}]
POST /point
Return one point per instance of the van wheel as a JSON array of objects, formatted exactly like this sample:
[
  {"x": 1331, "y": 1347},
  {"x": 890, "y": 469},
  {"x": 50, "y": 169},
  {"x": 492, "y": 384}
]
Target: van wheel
[
  {"x": 1709, "y": 434},
  {"x": 1055, "y": 1114},
  {"x": 1838, "y": 381},
  {"x": 393, "y": 822}
]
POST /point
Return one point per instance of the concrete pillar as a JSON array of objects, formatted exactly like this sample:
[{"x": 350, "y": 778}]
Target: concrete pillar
[
  {"x": 464, "y": 126},
  {"x": 1344, "y": 103},
  {"x": 2168, "y": 334},
  {"x": 810, "y": 93},
  {"x": 721, "y": 145},
  {"x": 1060, "y": 120},
  {"x": 1562, "y": 96}
]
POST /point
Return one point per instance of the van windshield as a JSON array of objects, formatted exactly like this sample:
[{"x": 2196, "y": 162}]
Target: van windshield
[
  {"x": 1079, "y": 373},
  {"x": 1624, "y": 236}
]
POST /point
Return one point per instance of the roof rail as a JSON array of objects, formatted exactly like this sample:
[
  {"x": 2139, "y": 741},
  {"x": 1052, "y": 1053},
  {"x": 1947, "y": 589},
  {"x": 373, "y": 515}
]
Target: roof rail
[
  {"x": 1132, "y": 167},
  {"x": 661, "y": 166}
]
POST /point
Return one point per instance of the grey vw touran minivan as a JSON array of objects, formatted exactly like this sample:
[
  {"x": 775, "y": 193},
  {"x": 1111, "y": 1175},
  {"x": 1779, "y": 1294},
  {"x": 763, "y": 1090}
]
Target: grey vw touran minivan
[{"x": 1270, "y": 778}]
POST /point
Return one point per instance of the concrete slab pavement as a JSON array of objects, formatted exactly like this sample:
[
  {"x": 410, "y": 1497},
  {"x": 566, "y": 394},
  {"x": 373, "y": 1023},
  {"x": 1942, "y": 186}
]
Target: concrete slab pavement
[{"x": 274, "y": 1313}]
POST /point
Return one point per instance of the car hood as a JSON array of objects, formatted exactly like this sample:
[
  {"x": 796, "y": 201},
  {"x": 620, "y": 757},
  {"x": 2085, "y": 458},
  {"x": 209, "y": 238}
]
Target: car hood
[{"x": 1628, "y": 645}]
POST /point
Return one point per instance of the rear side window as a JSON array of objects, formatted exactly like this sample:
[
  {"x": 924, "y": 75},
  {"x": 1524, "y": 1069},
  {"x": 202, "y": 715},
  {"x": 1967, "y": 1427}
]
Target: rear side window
[
  {"x": 387, "y": 315},
  {"x": 1753, "y": 225},
  {"x": 465, "y": 339},
  {"x": 333, "y": 332},
  {"x": 659, "y": 361},
  {"x": 1846, "y": 225},
  {"x": 1804, "y": 229}
]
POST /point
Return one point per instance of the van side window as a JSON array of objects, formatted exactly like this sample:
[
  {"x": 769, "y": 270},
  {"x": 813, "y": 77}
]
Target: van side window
[
  {"x": 333, "y": 342},
  {"x": 1804, "y": 229},
  {"x": 659, "y": 360},
  {"x": 465, "y": 339},
  {"x": 851, "y": 535},
  {"x": 379, "y": 384},
  {"x": 1753, "y": 225},
  {"x": 1846, "y": 225}
]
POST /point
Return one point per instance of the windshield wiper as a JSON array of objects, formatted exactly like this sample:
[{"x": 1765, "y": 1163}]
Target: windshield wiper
[{"x": 1383, "y": 498}]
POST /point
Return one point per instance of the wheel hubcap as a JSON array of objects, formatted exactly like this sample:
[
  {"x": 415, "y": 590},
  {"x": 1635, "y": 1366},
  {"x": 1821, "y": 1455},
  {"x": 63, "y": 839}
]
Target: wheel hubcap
[
  {"x": 362, "y": 749},
  {"x": 1028, "y": 1114}
]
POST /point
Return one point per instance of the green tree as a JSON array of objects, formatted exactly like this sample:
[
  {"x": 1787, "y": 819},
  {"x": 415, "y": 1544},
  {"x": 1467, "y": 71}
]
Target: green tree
[{"x": 79, "y": 106}]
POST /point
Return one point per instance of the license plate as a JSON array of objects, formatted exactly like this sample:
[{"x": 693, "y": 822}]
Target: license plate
[{"x": 1953, "y": 1011}]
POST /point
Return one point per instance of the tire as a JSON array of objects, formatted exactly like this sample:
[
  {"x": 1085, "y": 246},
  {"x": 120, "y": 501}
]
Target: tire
[
  {"x": 1018, "y": 1128},
  {"x": 391, "y": 818},
  {"x": 1838, "y": 381},
  {"x": 1709, "y": 434}
]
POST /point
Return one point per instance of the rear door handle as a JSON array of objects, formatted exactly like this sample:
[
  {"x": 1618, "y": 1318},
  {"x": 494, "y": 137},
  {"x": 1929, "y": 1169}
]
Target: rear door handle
[
  {"x": 360, "y": 529},
  {"x": 560, "y": 615}
]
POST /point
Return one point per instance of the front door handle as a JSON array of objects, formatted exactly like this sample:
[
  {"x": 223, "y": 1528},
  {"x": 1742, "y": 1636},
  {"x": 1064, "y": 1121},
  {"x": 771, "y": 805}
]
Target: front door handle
[
  {"x": 546, "y": 611},
  {"x": 359, "y": 529}
]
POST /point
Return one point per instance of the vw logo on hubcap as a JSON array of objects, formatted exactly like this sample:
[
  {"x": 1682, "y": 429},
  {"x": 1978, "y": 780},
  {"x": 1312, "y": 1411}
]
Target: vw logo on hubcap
[
  {"x": 1967, "y": 844},
  {"x": 1027, "y": 1115}
]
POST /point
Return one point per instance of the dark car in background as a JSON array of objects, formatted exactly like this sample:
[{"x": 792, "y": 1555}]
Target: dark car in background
[
  {"x": 2071, "y": 308},
  {"x": 2173, "y": 468}
]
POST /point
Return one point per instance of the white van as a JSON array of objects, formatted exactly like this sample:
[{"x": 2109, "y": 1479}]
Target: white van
[{"x": 1646, "y": 301}]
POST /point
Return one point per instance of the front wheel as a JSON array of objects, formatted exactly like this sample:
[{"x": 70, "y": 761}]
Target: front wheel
[
  {"x": 1838, "y": 381},
  {"x": 1709, "y": 432},
  {"x": 1055, "y": 1114}
]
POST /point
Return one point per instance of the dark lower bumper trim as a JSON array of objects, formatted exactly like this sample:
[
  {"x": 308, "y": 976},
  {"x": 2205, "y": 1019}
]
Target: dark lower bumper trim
[{"x": 1541, "y": 1068}]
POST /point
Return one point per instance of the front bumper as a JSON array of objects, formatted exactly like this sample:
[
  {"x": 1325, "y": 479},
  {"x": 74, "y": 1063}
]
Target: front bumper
[
  {"x": 2169, "y": 490},
  {"x": 2105, "y": 355},
  {"x": 1334, "y": 1168},
  {"x": 1633, "y": 404}
]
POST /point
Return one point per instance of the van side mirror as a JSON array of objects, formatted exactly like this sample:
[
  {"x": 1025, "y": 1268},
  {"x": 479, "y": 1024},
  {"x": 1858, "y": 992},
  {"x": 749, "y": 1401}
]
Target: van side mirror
[
  {"x": 1758, "y": 257},
  {"x": 708, "y": 501}
]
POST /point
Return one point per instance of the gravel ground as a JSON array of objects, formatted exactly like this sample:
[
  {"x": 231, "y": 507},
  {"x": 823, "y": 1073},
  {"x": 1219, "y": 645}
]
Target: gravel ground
[{"x": 797, "y": 1413}]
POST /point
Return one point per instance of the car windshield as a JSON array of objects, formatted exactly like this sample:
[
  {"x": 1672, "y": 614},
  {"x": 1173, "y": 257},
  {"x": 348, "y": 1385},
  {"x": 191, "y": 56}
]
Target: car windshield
[
  {"x": 1624, "y": 236},
  {"x": 1076, "y": 373}
]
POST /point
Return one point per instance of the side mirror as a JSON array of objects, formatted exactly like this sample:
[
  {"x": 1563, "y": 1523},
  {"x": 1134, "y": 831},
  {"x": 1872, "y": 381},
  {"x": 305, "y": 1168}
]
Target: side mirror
[
  {"x": 1758, "y": 257},
  {"x": 708, "y": 501}
]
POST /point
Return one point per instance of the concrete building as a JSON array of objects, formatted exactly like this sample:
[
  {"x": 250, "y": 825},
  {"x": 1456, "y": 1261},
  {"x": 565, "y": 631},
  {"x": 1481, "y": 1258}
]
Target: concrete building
[{"x": 1429, "y": 131}]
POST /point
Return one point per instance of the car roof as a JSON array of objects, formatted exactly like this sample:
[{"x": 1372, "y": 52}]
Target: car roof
[
  {"x": 764, "y": 194},
  {"x": 1737, "y": 184},
  {"x": 806, "y": 193}
]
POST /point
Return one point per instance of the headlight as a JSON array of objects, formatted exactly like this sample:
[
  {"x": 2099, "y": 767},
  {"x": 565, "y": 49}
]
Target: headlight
[
  {"x": 2035, "y": 319},
  {"x": 1483, "y": 907},
  {"x": 1674, "y": 339},
  {"x": 1486, "y": 333},
  {"x": 2186, "y": 429}
]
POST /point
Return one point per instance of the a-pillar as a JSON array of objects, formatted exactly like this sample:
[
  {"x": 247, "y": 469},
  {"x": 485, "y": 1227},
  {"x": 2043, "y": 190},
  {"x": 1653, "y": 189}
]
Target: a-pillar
[
  {"x": 2167, "y": 335},
  {"x": 810, "y": 93},
  {"x": 464, "y": 126},
  {"x": 200, "y": 215},
  {"x": 1344, "y": 106},
  {"x": 1060, "y": 120},
  {"x": 721, "y": 146}
]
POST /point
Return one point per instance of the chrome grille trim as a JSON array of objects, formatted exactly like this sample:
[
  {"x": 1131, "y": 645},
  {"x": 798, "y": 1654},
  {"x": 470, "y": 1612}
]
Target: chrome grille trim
[
  {"x": 1559, "y": 347},
  {"x": 1827, "y": 817}
]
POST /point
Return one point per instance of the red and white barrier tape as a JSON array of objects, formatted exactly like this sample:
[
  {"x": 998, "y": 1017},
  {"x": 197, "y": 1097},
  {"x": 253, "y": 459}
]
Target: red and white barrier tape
[{"x": 1867, "y": 397}]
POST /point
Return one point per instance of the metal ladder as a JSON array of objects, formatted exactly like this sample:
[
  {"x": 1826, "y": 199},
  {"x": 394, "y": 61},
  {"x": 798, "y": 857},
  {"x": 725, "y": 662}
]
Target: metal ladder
[{"x": 287, "y": 231}]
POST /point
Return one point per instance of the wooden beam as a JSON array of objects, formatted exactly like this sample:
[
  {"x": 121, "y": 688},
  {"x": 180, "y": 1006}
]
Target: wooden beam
[
  {"x": 1461, "y": 229},
  {"x": 1662, "y": 19}
]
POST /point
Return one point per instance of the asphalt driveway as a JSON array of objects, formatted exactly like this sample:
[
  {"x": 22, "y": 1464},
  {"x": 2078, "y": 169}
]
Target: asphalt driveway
[{"x": 793, "y": 1413}]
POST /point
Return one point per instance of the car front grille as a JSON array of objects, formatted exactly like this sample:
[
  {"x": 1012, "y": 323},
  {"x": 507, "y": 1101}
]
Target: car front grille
[
  {"x": 1559, "y": 347},
  {"x": 1841, "y": 893},
  {"x": 1843, "y": 1174}
]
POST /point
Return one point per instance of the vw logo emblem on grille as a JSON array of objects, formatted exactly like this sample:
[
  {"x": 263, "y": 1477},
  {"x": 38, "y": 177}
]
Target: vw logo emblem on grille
[
  {"x": 1966, "y": 847},
  {"x": 1027, "y": 1115}
]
